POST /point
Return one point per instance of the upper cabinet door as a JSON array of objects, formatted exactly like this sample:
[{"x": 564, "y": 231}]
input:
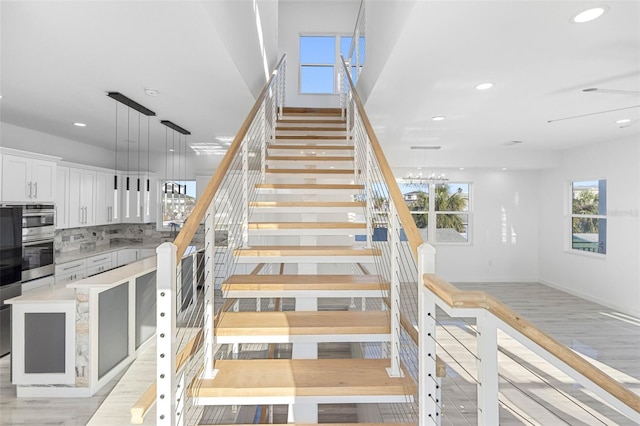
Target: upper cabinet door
[
  {"x": 28, "y": 180},
  {"x": 43, "y": 176},
  {"x": 62, "y": 198},
  {"x": 16, "y": 179}
]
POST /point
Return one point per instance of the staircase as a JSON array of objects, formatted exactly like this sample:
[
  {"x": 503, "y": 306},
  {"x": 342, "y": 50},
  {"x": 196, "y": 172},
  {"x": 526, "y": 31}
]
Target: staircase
[{"x": 305, "y": 218}]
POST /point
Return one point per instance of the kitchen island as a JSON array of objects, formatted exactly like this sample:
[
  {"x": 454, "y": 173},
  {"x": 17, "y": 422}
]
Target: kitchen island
[{"x": 71, "y": 339}]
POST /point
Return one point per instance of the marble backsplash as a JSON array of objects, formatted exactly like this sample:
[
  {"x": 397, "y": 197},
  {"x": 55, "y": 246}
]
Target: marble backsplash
[{"x": 90, "y": 237}]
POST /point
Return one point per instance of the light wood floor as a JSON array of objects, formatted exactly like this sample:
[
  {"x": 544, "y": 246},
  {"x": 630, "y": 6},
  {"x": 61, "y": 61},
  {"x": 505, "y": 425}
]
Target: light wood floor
[{"x": 610, "y": 339}]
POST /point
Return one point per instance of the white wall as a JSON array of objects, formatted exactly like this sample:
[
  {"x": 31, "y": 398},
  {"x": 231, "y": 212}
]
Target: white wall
[
  {"x": 311, "y": 18},
  {"x": 30, "y": 140},
  {"x": 613, "y": 279},
  {"x": 384, "y": 22},
  {"x": 504, "y": 240},
  {"x": 249, "y": 32}
]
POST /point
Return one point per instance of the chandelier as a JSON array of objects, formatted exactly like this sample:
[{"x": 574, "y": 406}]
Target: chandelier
[{"x": 420, "y": 178}]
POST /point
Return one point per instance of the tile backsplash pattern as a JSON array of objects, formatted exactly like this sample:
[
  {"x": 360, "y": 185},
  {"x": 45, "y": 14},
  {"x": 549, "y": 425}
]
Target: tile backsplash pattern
[{"x": 67, "y": 240}]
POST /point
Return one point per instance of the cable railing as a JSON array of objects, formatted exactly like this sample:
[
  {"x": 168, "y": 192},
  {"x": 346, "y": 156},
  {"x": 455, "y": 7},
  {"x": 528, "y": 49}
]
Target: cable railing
[
  {"x": 392, "y": 231},
  {"x": 217, "y": 226},
  {"x": 356, "y": 56},
  {"x": 506, "y": 369},
  {"x": 477, "y": 391}
]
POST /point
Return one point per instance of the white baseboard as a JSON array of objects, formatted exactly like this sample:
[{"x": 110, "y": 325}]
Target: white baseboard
[{"x": 591, "y": 298}]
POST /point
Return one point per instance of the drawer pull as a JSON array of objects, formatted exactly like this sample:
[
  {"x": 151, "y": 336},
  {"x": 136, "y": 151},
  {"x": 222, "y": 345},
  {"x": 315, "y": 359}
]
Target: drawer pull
[{"x": 71, "y": 267}]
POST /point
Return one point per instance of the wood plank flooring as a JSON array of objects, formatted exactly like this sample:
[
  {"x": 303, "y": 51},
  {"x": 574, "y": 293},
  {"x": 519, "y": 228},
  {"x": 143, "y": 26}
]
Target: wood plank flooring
[{"x": 605, "y": 336}]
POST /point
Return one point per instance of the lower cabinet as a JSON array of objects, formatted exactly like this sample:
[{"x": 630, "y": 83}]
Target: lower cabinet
[
  {"x": 34, "y": 285},
  {"x": 71, "y": 271}
]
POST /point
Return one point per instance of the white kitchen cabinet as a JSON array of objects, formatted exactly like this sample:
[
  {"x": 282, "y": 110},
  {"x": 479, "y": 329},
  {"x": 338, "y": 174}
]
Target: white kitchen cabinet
[
  {"x": 62, "y": 197},
  {"x": 81, "y": 197},
  {"x": 99, "y": 263},
  {"x": 105, "y": 213},
  {"x": 144, "y": 253},
  {"x": 71, "y": 271},
  {"x": 28, "y": 180},
  {"x": 126, "y": 256},
  {"x": 38, "y": 284}
]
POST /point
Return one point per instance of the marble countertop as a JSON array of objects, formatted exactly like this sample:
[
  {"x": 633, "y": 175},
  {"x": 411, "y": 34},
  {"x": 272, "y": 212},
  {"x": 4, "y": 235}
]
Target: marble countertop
[
  {"x": 74, "y": 255},
  {"x": 56, "y": 294}
]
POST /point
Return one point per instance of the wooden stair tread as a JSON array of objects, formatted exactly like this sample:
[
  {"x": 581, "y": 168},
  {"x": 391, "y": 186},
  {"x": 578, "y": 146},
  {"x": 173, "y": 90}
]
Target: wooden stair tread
[
  {"x": 301, "y": 377},
  {"x": 310, "y": 121},
  {"x": 310, "y": 137},
  {"x": 317, "y": 204},
  {"x": 311, "y": 111},
  {"x": 327, "y": 424},
  {"x": 314, "y": 186},
  {"x": 311, "y": 146},
  {"x": 308, "y": 158},
  {"x": 310, "y": 128},
  {"x": 311, "y": 171},
  {"x": 304, "y": 282},
  {"x": 307, "y": 225},
  {"x": 306, "y": 251},
  {"x": 298, "y": 323}
]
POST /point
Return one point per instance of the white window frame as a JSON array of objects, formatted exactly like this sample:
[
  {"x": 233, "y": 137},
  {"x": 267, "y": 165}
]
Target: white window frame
[
  {"x": 335, "y": 65},
  {"x": 571, "y": 215},
  {"x": 432, "y": 215},
  {"x": 160, "y": 222}
]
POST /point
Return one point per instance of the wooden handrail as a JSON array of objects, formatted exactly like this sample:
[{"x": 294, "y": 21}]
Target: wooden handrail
[
  {"x": 191, "y": 226},
  {"x": 410, "y": 228},
  {"x": 456, "y": 298}
]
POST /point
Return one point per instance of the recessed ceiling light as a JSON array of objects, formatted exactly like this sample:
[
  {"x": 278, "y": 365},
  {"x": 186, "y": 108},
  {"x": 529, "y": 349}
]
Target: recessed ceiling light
[
  {"x": 589, "y": 14},
  {"x": 78, "y": 124},
  {"x": 504, "y": 168},
  {"x": 484, "y": 86},
  {"x": 624, "y": 120},
  {"x": 461, "y": 168},
  {"x": 171, "y": 149},
  {"x": 151, "y": 92},
  {"x": 438, "y": 118}
]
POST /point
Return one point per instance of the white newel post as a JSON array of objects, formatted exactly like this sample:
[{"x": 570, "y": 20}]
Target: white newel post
[
  {"x": 429, "y": 383},
  {"x": 488, "y": 409},
  {"x": 394, "y": 297},
  {"x": 166, "y": 334},
  {"x": 209, "y": 289}
]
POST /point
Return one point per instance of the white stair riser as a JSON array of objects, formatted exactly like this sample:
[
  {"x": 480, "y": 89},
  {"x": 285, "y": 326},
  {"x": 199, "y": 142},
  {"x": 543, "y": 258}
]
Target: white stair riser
[
  {"x": 345, "y": 179},
  {"x": 345, "y": 231},
  {"x": 306, "y": 191},
  {"x": 318, "y": 210}
]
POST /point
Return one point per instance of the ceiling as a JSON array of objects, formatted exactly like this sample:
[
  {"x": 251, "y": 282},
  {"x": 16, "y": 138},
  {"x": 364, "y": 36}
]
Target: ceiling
[
  {"x": 540, "y": 63},
  {"x": 59, "y": 59}
]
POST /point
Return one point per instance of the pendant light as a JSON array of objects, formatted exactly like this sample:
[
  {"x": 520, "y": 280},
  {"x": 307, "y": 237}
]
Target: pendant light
[
  {"x": 127, "y": 181},
  {"x": 183, "y": 132},
  {"x": 131, "y": 104},
  {"x": 115, "y": 172},
  {"x": 138, "y": 207},
  {"x": 147, "y": 195}
]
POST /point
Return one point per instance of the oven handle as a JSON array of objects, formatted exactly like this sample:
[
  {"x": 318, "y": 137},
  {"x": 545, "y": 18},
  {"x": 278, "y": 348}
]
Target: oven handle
[
  {"x": 34, "y": 242},
  {"x": 38, "y": 213}
]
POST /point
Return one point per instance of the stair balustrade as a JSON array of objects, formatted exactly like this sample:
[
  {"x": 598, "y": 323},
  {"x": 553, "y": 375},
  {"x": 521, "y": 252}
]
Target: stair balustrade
[
  {"x": 418, "y": 304},
  {"x": 221, "y": 217}
]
